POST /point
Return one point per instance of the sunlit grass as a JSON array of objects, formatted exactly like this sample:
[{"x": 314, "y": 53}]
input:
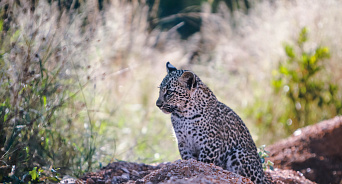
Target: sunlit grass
[
  {"x": 107, "y": 66},
  {"x": 235, "y": 60}
]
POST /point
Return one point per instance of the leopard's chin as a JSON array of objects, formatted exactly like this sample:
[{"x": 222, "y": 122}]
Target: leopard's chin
[{"x": 166, "y": 110}]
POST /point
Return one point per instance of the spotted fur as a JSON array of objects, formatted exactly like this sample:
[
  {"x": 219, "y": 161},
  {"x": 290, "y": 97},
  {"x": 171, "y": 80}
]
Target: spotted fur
[{"x": 206, "y": 129}]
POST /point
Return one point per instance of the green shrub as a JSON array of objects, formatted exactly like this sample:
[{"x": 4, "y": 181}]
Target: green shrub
[
  {"x": 303, "y": 92},
  {"x": 310, "y": 95},
  {"x": 263, "y": 154},
  {"x": 41, "y": 175},
  {"x": 35, "y": 96}
]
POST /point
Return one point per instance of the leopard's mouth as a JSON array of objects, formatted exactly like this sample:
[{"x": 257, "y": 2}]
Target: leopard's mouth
[{"x": 166, "y": 110}]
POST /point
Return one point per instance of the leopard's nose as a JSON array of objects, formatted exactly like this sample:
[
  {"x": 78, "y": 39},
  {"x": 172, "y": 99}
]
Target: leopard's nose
[{"x": 159, "y": 103}]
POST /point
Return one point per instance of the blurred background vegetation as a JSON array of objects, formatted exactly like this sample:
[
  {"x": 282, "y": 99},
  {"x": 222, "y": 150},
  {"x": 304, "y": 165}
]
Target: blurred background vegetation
[{"x": 79, "y": 78}]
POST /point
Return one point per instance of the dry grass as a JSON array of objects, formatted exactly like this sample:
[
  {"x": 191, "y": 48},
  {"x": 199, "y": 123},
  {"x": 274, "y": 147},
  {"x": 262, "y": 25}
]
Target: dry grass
[
  {"x": 115, "y": 64},
  {"x": 236, "y": 60}
]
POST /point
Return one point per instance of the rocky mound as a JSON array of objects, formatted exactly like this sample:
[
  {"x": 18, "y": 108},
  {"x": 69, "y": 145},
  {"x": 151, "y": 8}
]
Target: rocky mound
[
  {"x": 192, "y": 171},
  {"x": 120, "y": 172},
  {"x": 280, "y": 176},
  {"x": 179, "y": 172},
  {"x": 315, "y": 151}
]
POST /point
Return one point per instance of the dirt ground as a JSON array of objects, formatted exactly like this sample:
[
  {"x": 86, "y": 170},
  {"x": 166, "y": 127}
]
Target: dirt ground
[{"x": 315, "y": 151}]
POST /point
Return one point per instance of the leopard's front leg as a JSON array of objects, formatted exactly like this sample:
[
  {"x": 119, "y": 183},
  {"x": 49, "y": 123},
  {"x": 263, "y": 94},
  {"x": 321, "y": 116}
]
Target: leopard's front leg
[
  {"x": 186, "y": 146},
  {"x": 211, "y": 152},
  {"x": 185, "y": 151}
]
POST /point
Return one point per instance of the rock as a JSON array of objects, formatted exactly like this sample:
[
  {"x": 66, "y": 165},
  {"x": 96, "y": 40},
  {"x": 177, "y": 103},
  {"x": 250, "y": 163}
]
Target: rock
[
  {"x": 70, "y": 179},
  {"x": 120, "y": 172},
  {"x": 90, "y": 181},
  {"x": 125, "y": 176},
  {"x": 135, "y": 174},
  {"x": 192, "y": 171},
  {"x": 315, "y": 151},
  {"x": 280, "y": 176},
  {"x": 125, "y": 170},
  {"x": 180, "y": 171}
]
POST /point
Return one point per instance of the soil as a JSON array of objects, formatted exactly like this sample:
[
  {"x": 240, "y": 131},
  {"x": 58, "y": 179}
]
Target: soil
[
  {"x": 180, "y": 172},
  {"x": 315, "y": 151}
]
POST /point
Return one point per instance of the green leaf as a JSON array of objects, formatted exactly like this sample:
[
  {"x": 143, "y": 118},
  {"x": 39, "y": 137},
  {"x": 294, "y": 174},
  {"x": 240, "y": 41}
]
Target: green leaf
[
  {"x": 305, "y": 59},
  {"x": 270, "y": 163},
  {"x": 322, "y": 52},
  {"x": 1, "y": 25},
  {"x": 262, "y": 160},
  {"x": 44, "y": 100},
  {"x": 283, "y": 70},
  {"x": 289, "y": 51},
  {"x": 277, "y": 84},
  {"x": 313, "y": 60},
  {"x": 294, "y": 76},
  {"x": 40, "y": 170},
  {"x": 303, "y": 36},
  {"x": 5, "y": 117},
  {"x": 27, "y": 149},
  {"x": 75, "y": 145},
  {"x": 33, "y": 173}
]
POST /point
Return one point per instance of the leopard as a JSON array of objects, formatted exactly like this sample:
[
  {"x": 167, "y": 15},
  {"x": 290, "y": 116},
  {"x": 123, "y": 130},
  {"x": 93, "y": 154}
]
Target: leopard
[{"x": 206, "y": 129}]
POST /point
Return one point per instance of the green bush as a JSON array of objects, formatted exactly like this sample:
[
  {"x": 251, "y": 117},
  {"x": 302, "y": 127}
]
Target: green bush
[
  {"x": 303, "y": 92},
  {"x": 309, "y": 92},
  {"x": 263, "y": 154},
  {"x": 36, "y": 93}
]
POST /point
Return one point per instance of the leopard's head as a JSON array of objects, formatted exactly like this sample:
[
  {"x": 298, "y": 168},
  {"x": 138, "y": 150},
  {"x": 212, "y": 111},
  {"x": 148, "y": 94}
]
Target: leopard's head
[{"x": 176, "y": 89}]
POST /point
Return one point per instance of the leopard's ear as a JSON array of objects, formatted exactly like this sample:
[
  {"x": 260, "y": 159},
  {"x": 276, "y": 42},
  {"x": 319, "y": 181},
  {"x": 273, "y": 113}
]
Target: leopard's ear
[
  {"x": 188, "y": 79},
  {"x": 170, "y": 68}
]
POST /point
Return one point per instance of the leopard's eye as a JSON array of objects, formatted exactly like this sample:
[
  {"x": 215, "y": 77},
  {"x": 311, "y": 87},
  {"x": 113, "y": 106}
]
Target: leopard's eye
[{"x": 168, "y": 92}]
